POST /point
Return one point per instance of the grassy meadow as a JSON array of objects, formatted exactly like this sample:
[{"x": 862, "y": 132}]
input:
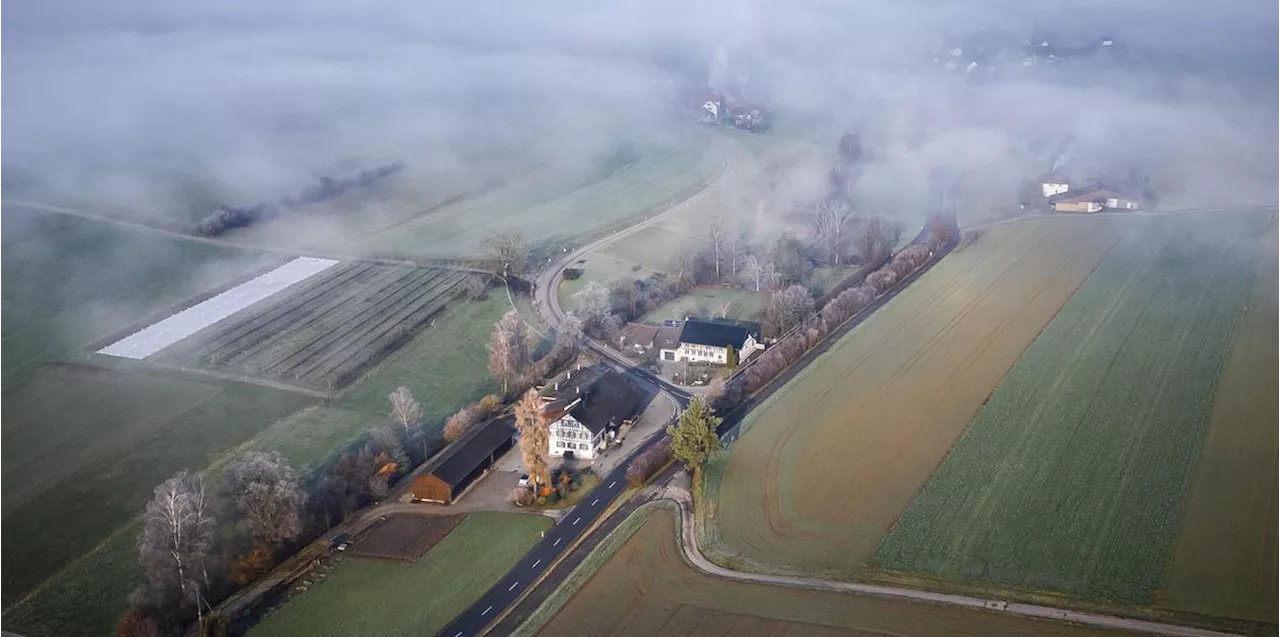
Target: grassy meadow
[
  {"x": 1074, "y": 477},
  {"x": 364, "y": 596}
]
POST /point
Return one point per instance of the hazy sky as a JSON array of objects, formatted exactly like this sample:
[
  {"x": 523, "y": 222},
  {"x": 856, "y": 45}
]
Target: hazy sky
[{"x": 117, "y": 97}]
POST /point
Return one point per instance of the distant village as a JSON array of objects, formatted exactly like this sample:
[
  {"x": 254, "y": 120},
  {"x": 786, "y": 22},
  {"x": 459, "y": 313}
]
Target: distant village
[
  {"x": 991, "y": 53},
  {"x": 714, "y": 108}
]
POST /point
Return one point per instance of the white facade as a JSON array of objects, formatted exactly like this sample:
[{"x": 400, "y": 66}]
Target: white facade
[
  {"x": 568, "y": 434},
  {"x": 712, "y": 109},
  {"x": 694, "y": 353},
  {"x": 1122, "y": 204},
  {"x": 1053, "y": 188}
]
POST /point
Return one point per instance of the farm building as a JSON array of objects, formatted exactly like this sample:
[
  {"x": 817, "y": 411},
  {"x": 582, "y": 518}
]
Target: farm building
[
  {"x": 460, "y": 464},
  {"x": 1053, "y": 184},
  {"x": 641, "y": 338},
  {"x": 710, "y": 341},
  {"x": 586, "y": 410},
  {"x": 1093, "y": 200}
]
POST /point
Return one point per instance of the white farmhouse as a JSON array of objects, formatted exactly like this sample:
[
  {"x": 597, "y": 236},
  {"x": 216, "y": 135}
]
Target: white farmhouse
[
  {"x": 711, "y": 341},
  {"x": 586, "y": 410},
  {"x": 1054, "y": 184}
]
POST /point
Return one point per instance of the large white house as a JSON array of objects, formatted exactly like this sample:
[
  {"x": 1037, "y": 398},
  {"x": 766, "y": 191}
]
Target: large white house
[
  {"x": 586, "y": 411},
  {"x": 711, "y": 341},
  {"x": 1054, "y": 184}
]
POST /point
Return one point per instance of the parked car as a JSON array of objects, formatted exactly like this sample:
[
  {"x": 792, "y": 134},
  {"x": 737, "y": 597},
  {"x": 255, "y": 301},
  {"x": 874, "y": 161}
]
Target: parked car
[
  {"x": 524, "y": 480},
  {"x": 340, "y": 542}
]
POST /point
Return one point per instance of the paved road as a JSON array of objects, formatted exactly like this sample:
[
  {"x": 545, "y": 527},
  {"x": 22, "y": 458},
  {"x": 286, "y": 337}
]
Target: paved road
[{"x": 556, "y": 541}]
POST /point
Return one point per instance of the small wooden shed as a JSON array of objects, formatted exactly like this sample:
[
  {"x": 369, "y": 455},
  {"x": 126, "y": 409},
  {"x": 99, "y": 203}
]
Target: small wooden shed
[{"x": 460, "y": 464}]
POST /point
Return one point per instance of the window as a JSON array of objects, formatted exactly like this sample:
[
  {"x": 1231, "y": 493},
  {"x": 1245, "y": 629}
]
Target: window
[
  {"x": 583, "y": 446},
  {"x": 559, "y": 443}
]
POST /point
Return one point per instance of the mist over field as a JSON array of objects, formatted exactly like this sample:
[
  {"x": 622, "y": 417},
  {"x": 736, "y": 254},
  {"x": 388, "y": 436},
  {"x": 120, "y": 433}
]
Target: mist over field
[{"x": 161, "y": 109}]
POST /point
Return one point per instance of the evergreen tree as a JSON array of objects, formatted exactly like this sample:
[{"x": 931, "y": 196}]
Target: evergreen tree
[{"x": 693, "y": 438}]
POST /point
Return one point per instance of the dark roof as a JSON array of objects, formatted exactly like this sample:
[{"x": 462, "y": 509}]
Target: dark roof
[
  {"x": 718, "y": 333},
  {"x": 1094, "y": 193},
  {"x": 637, "y": 334},
  {"x": 459, "y": 459},
  {"x": 607, "y": 402},
  {"x": 668, "y": 336},
  {"x": 1054, "y": 178}
]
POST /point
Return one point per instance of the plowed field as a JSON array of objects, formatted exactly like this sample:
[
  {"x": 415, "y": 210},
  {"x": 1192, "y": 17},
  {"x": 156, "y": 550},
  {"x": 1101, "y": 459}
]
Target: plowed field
[
  {"x": 1224, "y": 560},
  {"x": 834, "y": 457},
  {"x": 647, "y": 589}
]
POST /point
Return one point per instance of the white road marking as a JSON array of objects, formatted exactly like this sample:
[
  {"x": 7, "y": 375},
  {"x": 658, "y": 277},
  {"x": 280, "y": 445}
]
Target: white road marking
[
  {"x": 535, "y": 564},
  {"x": 575, "y": 522},
  {"x": 513, "y": 586},
  {"x": 486, "y": 611},
  {"x": 557, "y": 542},
  {"x": 459, "y": 634},
  {"x": 595, "y": 501},
  {"x": 612, "y": 483}
]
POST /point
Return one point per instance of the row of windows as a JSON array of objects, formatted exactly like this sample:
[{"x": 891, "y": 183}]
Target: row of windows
[
  {"x": 573, "y": 434},
  {"x": 583, "y": 446}
]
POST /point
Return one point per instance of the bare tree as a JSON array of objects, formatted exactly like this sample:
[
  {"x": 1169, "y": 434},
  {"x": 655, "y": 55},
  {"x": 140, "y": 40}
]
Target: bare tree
[
  {"x": 264, "y": 492},
  {"x": 830, "y": 217},
  {"x": 177, "y": 538},
  {"x": 787, "y": 308},
  {"x": 872, "y": 238},
  {"x": 569, "y": 333},
  {"x": 508, "y": 349},
  {"x": 683, "y": 265},
  {"x": 534, "y": 437},
  {"x": 591, "y": 304},
  {"x": 405, "y": 411},
  {"x": 724, "y": 309},
  {"x": 753, "y": 269},
  {"x": 508, "y": 249},
  {"x": 717, "y": 233},
  {"x": 735, "y": 249}
]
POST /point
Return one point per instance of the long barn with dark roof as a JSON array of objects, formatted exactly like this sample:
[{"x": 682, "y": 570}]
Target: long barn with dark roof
[{"x": 459, "y": 465}]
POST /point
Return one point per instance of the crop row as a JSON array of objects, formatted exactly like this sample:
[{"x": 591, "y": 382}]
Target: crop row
[
  {"x": 313, "y": 317},
  {"x": 352, "y": 335}
]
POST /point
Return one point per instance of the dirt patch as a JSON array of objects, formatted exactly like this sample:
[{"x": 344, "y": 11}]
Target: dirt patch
[
  {"x": 828, "y": 463},
  {"x": 405, "y": 537},
  {"x": 646, "y": 588}
]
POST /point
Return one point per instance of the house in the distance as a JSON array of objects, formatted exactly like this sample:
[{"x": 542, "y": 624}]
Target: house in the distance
[
  {"x": 703, "y": 341},
  {"x": 640, "y": 339},
  {"x": 1053, "y": 184},
  {"x": 585, "y": 411},
  {"x": 1093, "y": 199}
]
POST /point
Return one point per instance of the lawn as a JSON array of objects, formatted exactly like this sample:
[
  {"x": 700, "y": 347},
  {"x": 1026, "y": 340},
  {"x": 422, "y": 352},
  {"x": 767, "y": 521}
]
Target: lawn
[
  {"x": 68, "y": 281},
  {"x": 1075, "y": 475},
  {"x": 711, "y": 302},
  {"x": 561, "y": 210},
  {"x": 601, "y": 267},
  {"x": 826, "y": 465},
  {"x": 647, "y": 589},
  {"x": 377, "y": 597},
  {"x": 1224, "y": 560},
  {"x": 89, "y": 444}
]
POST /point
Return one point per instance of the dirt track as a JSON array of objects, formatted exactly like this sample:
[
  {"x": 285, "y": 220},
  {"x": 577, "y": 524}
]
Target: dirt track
[
  {"x": 648, "y": 588},
  {"x": 831, "y": 460}
]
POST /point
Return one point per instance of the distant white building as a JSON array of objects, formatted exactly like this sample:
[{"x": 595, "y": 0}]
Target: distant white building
[{"x": 1054, "y": 184}]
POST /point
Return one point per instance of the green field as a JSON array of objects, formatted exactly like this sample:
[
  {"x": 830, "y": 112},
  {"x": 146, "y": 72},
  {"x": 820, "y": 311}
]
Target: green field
[
  {"x": 374, "y": 597},
  {"x": 88, "y": 445},
  {"x": 555, "y": 206},
  {"x": 710, "y": 302},
  {"x": 68, "y": 281},
  {"x": 1073, "y": 478},
  {"x": 444, "y": 367}
]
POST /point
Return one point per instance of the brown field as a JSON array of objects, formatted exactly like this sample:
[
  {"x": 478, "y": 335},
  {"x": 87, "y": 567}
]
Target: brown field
[
  {"x": 835, "y": 456},
  {"x": 648, "y": 589},
  {"x": 1229, "y": 527},
  {"x": 405, "y": 537}
]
